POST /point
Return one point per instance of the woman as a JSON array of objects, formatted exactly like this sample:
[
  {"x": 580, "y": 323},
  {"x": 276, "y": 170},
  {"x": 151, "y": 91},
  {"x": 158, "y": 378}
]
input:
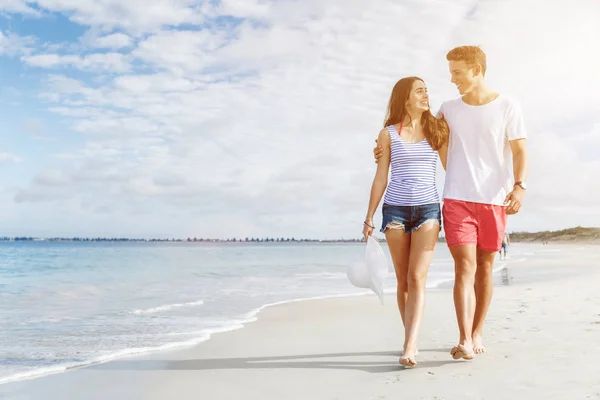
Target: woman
[{"x": 411, "y": 139}]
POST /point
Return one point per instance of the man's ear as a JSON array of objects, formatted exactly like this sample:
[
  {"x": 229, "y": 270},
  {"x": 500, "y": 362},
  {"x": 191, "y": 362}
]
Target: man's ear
[{"x": 478, "y": 69}]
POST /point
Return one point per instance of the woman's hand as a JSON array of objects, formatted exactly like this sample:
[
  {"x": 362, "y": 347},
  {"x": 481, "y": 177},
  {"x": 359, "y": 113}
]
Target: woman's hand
[{"x": 368, "y": 228}]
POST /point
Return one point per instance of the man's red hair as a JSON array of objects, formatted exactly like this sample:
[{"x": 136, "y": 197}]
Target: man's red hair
[{"x": 470, "y": 54}]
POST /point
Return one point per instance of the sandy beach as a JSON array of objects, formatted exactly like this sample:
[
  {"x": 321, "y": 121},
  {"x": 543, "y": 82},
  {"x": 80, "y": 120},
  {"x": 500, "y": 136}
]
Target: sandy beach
[{"x": 542, "y": 335}]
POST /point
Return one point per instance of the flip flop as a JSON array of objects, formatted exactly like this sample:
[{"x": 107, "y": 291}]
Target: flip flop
[
  {"x": 407, "y": 361},
  {"x": 461, "y": 351}
]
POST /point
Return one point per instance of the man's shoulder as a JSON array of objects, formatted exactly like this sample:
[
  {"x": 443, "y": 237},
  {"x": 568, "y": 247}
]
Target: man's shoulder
[
  {"x": 452, "y": 102},
  {"x": 448, "y": 105},
  {"x": 508, "y": 101}
]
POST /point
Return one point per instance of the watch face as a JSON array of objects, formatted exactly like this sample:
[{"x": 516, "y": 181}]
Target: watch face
[{"x": 523, "y": 185}]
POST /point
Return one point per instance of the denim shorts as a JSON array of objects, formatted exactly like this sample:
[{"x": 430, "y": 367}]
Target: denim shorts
[{"x": 410, "y": 217}]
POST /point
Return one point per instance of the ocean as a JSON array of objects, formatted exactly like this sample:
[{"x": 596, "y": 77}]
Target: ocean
[{"x": 70, "y": 304}]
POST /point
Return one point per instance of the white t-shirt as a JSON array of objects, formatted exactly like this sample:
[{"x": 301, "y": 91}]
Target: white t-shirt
[{"x": 479, "y": 167}]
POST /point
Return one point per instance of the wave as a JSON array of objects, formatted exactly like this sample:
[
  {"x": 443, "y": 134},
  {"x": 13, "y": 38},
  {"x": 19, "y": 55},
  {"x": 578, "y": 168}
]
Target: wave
[
  {"x": 54, "y": 320},
  {"x": 203, "y": 335},
  {"x": 326, "y": 275},
  {"x": 168, "y": 307},
  {"x": 39, "y": 372}
]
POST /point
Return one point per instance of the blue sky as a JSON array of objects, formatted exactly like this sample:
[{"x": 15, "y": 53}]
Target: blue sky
[{"x": 257, "y": 118}]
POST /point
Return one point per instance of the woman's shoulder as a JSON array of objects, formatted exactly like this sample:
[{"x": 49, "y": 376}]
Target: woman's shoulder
[
  {"x": 384, "y": 136},
  {"x": 387, "y": 131}
]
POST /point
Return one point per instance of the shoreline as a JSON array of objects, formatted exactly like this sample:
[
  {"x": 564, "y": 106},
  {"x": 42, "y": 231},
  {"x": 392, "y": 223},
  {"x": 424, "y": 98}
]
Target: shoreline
[
  {"x": 348, "y": 348},
  {"x": 238, "y": 323},
  {"x": 583, "y": 240},
  {"x": 255, "y": 316}
]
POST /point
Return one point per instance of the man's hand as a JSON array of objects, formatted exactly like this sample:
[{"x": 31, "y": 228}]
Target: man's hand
[
  {"x": 514, "y": 200},
  {"x": 377, "y": 152}
]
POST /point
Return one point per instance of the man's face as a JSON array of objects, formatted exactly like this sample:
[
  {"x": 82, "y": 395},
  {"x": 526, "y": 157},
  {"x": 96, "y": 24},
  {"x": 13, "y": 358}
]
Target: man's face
[{"x": 463, "y": 76}]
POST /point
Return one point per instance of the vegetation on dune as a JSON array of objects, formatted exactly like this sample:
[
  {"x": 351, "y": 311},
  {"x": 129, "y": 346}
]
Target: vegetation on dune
[{"x": 565, "y": 235}]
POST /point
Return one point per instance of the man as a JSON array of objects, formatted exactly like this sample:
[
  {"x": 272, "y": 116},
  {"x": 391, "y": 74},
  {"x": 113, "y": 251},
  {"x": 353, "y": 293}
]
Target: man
[
  {"x": 486, "y": 130},
  {"x": 505, "y": 243}
]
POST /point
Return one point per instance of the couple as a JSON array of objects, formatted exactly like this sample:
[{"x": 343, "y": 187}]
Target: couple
[{"x": 477, "y": 137}]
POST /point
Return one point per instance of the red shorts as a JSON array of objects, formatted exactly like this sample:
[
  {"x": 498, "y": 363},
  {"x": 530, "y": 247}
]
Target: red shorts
[{"x": 474, "y": 223}]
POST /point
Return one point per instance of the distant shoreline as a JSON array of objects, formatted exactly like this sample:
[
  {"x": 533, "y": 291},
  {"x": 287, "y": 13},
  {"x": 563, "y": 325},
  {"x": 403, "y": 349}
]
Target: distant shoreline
[
  {"x": 571, "y": 235},
  {"x": 133, "y": 240}
]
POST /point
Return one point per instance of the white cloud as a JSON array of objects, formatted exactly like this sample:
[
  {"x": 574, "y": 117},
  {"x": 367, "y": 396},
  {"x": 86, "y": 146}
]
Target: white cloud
[
  {"x": 6, "y": 158},
  {"x": 135, "y": 16},
  {"x": 36, "y": 128},
  {"x": 256, "y": 9},
  {"x": 53, "y": 177},
  {"x": 156, "y": 83},
  {"x": 18, "y": 6},
  {"x": 12, "y": 44},
  {"x": 265, "y": 127},
  {"x": 101, "y": 62},
  {"x": 112, "y": 41},
  {"x": 48, "y": 60},
  {"x": 181, "y": 51}
]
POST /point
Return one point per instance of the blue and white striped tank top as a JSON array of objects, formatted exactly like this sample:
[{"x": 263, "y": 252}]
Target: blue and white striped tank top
[{"x": 413, "y": 172}]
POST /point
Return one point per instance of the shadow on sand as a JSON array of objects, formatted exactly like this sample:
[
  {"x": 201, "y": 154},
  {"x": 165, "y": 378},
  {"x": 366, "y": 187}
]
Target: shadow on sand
[{"x": 309, "y": 361}]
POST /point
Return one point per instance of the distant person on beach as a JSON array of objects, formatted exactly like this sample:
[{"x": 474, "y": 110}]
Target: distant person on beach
[
  {"x": 486, "y": 134},
  {"x": 411, "y": 209},
  {"x": 505, "y": 243}
]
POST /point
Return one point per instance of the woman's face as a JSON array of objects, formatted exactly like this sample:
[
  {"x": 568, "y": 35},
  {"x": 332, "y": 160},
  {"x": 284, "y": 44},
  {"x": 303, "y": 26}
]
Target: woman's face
[{"x": 418, "y": 100}]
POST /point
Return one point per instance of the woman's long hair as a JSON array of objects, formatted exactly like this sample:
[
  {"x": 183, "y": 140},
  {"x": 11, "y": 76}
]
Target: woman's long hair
[{"x": 436, "y": 130}]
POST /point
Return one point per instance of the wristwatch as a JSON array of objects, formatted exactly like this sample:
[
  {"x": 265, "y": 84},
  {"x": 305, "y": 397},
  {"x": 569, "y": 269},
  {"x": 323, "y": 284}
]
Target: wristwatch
[{"x": 522, "y": 184}]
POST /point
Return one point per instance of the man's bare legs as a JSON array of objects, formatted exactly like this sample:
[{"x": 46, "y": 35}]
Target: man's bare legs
[
  {"x": 422, "y": 245},
  {"x": 484, "y": 288},
  {"x": 399, "y": 245},
  {"x": 465, "y": 267}
]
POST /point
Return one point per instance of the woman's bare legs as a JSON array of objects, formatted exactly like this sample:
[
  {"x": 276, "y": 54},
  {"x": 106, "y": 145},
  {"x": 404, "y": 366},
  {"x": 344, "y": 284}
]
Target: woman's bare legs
[
  {"x": 422, "y": 245},
  {"x": 411, "y": 255},
  {"x": 399, "y": 244}
]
